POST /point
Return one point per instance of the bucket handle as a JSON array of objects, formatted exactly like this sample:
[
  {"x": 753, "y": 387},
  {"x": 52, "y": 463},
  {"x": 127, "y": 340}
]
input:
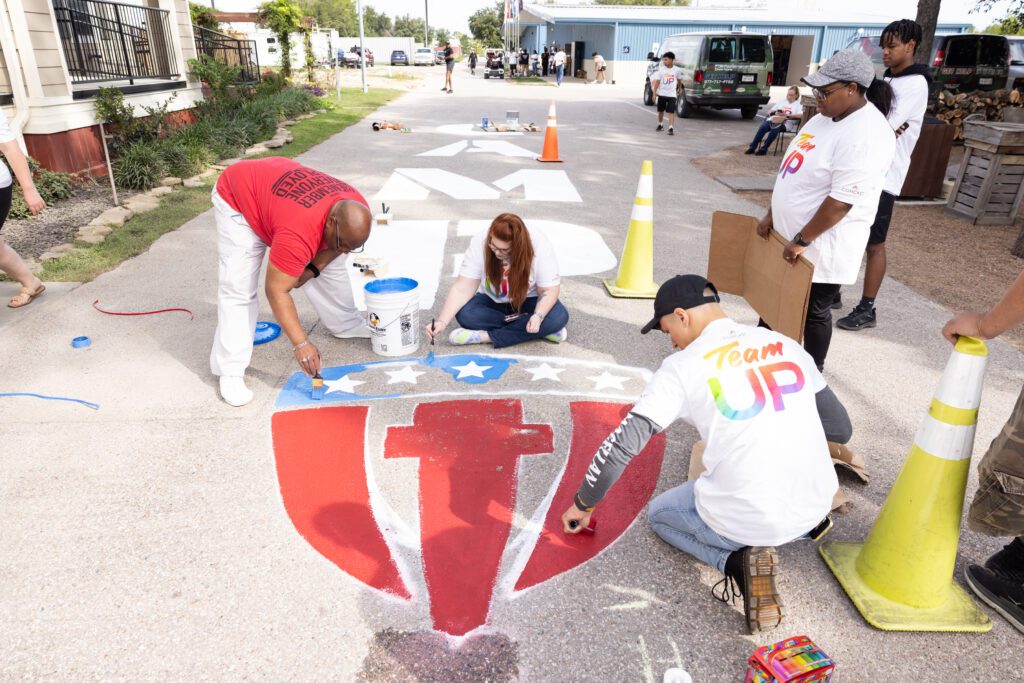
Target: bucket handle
[{"x": 400, "y": 314}]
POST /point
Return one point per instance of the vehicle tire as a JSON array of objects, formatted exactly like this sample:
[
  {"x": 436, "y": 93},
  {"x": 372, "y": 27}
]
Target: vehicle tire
[
  {"x": 748, "y": 112},
  {"x": 648, "y": 94},
  {"x": 684, "y": 109},
  {"x": 486, "y": 77}
]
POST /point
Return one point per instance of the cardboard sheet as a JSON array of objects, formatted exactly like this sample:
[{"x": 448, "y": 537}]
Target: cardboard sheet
[{"x": 740, "y": 262}]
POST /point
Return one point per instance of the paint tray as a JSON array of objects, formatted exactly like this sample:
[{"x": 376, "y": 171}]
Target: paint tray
[{"x": 793, "y": 660}]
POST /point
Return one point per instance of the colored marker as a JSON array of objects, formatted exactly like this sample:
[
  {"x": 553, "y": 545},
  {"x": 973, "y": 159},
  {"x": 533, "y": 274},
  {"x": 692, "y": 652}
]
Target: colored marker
[
  {"x": 432, "y": 331},
  {"x": 574, "y": 524}
]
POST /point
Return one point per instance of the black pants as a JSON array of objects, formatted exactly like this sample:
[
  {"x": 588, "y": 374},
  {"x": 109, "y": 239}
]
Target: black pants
[
  {"x": 6, "y": 194},
  {"x": 818, "y": 326}
]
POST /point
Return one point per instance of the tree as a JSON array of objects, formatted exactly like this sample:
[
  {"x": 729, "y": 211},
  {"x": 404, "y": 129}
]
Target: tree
[
  {"x": 376, "y": 23},
  {"x": 1008, "y": 26},
  {"x": 485, "y": 24},
  {"x": 409, "y": 26},
  {"x": 441, "y": 35},
  {"x": 283, "y": 17},
  {"x": 203, "y": 16},
  {"x": 336, "y": 14},
  {"x": 928, "y": 17}
]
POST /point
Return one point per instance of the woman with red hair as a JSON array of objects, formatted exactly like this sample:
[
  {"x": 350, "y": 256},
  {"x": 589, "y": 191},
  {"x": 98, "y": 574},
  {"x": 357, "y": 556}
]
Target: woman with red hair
[{"x": 507, "y": 289}]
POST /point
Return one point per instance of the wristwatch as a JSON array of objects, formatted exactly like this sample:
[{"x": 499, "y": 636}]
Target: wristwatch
[{"x": 799, "y": 239}]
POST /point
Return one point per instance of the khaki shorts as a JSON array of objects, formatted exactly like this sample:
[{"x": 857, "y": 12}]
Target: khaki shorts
[{"x": 998, "y": 506}]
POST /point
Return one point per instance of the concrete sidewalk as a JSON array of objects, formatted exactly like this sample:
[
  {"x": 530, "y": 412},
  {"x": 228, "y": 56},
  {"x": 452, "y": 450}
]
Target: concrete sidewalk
[{"x": 149, "y": 539}]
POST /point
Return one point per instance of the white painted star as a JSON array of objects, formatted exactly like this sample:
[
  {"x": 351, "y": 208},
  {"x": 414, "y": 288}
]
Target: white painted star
[
  {"x": 406, "y": 374},
  {"x": 344, "y": 384},
  {"x": 607, "y": 381},
  {"x": 545, "y": 371},
  {"x": 471, "y": 369}
]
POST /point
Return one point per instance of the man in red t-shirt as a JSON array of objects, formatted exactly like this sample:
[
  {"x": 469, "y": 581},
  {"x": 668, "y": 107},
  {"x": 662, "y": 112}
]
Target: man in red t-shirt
[{"x": 307, "y": 219}]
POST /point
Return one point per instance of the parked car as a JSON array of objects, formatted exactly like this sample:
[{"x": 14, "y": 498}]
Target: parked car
[
  {"x": 352, "y": 58},
  {"x": 423, "y": 56},
  {"x": 1015, "y": 79},
  {"x": 960, "y": 61},
  {"x": 399, "y": 57},
  {"x": 720, "y": 71},
  {"x": 439, "y": 56},
  {"x": 494, "y": 64}
]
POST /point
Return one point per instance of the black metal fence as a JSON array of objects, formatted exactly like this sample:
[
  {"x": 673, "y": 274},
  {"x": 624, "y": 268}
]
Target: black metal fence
[
  {"x": 224, "y": 49},
  {"x": 112, "y": 41}
]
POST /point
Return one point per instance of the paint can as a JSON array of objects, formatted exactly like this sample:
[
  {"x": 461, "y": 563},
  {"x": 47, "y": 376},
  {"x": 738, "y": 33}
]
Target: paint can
[{"x": 393, "y": 311}]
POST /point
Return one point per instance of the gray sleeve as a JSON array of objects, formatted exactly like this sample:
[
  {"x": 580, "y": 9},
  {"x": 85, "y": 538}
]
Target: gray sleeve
[
  {"x": 621, "y": 446},
  {"x": 833, "y": 417}
]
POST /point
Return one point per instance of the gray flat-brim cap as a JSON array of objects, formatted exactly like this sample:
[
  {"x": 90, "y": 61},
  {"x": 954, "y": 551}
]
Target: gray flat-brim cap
[{"x": 848, "y": 66}]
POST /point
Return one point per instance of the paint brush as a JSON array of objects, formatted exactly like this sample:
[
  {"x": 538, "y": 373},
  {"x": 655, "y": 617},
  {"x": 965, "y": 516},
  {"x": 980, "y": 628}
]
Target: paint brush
[{"x": 317, "y": 392}]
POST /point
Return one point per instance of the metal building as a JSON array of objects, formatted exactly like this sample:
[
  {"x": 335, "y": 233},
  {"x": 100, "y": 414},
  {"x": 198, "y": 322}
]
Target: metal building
[{"x": 624, "y": 34}]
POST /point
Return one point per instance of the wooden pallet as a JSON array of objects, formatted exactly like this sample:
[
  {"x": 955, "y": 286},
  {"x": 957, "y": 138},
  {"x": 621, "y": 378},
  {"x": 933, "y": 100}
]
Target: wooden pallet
[{"x": 989, "y": 187}]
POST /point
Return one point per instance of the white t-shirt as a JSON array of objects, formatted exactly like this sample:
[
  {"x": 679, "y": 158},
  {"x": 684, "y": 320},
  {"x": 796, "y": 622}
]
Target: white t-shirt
[
  {"x": 543, "y": 273},
  {"x": 789, "y": 109},
  {"x": 6, "y": 135},
  {"x": 750, "y": 393},
  {"x": 599, "y": 62},
  {"x": 911, "y": 101},
  {"x": 846, "y": 160},
  {"x": 560, "y": 58},
  {"x": 668, "y": 78}
]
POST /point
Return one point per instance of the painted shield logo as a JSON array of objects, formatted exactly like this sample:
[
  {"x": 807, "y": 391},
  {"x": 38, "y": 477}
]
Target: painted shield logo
[{"x": 446, "y": 440}]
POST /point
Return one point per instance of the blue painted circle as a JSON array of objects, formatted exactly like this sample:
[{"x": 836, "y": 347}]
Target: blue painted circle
[
  {"x": 80, "y": 342},
  {"x": 391, "y": 285},
  {"x": 266, "y": 332}
]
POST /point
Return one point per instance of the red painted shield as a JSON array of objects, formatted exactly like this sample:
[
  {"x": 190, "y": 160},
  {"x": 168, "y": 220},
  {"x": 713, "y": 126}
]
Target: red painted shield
[{"x": 469, "y": 453}]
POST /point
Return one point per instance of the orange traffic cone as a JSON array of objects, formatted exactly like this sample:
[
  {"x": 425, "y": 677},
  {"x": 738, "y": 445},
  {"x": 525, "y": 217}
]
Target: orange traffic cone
[{"x": 550, "y": 152}]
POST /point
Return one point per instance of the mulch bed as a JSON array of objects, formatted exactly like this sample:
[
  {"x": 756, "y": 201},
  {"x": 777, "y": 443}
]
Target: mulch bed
[{"x": 58, "y": 224}]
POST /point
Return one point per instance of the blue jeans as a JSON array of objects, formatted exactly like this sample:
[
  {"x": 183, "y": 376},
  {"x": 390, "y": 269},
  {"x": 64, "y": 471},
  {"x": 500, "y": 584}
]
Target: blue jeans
[
  {"x": 673, "y": 516},
  {"x": 559, "y": 73},
  {"x": 771, "y": 130},
  {"x": 482, "y": 313}
]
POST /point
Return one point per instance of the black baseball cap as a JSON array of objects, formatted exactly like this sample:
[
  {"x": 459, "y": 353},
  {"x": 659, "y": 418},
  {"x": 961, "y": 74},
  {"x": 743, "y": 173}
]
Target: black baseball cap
[{"x": 682, "y": 291}]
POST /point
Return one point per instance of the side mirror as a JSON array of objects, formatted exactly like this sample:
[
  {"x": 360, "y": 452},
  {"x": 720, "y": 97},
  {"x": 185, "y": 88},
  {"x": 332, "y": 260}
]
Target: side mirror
[{"x": 652, "y": 57}]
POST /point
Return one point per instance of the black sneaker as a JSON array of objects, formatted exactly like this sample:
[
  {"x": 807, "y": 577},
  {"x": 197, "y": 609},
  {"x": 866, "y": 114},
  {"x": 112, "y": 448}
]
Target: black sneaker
[
  {"x": 1001, "y": 594},
  {"x": 1008, "y": 562},
  {"x": 659, "y": 128},
  {"x": 749, "y": 150},
  {"x": 859, "y": 318},
  {"x": 761, "y": 153},
  {"x": 837, "y": 303},
  {"x": 750, "y": 573},
  {"x": 670, "y": 131}
]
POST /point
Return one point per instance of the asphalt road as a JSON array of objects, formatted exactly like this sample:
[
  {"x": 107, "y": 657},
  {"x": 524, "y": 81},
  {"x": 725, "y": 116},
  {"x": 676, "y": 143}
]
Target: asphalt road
[{"x": 169, "y": 536}]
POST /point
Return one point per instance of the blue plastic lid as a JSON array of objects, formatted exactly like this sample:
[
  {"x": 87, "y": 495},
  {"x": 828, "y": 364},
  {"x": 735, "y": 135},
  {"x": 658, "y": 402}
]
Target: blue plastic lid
[
  {"x": 80, "y": 342},
  {"x": 266, "y": 332},
  {"x": 391, "y": 285}
]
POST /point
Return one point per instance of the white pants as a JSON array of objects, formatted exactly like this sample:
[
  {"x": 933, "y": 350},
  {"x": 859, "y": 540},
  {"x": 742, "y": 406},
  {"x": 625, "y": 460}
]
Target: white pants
[{"x": 240, "y": 253}]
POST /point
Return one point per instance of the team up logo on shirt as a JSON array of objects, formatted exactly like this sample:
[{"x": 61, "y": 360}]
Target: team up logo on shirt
[
  {"x": 795, "y": 159},
  {"x": 760, "y": 378},
  {"x": 306, "y": 187}
]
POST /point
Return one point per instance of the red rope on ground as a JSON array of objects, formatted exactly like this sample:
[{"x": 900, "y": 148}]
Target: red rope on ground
[{"x": 191, "y": 316}]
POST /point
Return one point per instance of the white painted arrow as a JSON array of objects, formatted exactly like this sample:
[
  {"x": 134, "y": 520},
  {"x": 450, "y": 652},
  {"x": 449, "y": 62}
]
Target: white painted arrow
[
  {"x": 542, "y": 186},
  {"x": 452, "y": 184},
  {"x": 505, "y": 149},
  {"x": 446, "y": 151}
]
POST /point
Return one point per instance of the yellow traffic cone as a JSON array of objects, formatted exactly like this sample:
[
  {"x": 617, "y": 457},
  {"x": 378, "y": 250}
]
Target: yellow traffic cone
[
  {"x": 901, "y": 578},
  {"x": 550, "y": 150},
  {"x": 636, "y": 268}
]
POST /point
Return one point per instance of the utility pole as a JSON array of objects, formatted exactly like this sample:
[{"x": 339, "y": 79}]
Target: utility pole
[
  {"x": 362, "y": 47},
  {"x": 426, "y": 25}
]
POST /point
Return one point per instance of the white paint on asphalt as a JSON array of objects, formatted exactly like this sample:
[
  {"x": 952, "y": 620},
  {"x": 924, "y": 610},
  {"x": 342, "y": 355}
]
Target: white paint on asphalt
[
  {"x": 412, "y": 249},
  {"x": 505, "y": 149},
  {"x": 580, "y": 250},
  {"x": 398, "y": 187},
  {"x": 465, "y": 129},
  {"x": 541, "y": 186},
  {"x": 452, "y": 184},
  {"x": 446, "y": 151}
]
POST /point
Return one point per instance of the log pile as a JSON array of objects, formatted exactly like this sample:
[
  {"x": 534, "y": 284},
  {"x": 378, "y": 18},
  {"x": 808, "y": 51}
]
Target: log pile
[{"x": 953, "y": 108}]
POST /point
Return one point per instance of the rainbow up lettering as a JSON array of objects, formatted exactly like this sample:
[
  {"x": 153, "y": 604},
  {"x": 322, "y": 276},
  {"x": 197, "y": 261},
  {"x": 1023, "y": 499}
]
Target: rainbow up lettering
[{"x": 731, "y": 355}]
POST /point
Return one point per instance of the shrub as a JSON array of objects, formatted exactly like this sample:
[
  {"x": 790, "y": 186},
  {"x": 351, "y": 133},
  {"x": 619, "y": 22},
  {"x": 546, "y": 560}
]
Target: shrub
[
  {"x": 218, "y": 77},
  {"x": 271, "y": 82},
  {"x": 52, "y": 186},
  {"x": 140, "y": 167}
]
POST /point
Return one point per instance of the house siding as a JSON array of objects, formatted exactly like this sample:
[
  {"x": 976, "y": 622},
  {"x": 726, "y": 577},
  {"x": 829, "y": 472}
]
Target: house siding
[
  {"x": 46, "y": 47},
  {"x": 184, "y": 25}
]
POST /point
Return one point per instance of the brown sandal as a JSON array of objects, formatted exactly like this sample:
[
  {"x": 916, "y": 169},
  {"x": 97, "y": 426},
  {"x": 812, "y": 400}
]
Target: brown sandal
[{"x": 24, "y": 297}]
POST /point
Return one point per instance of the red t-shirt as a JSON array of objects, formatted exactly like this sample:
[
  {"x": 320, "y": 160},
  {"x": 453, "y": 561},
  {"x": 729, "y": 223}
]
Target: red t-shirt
[{"x": 286, "y": 205}]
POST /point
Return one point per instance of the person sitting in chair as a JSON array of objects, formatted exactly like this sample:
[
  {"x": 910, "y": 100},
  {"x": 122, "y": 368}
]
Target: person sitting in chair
[{"x": 781, "y": 116}]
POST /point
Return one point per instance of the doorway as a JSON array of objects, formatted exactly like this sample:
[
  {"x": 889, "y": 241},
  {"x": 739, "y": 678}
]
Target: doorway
[{"x": 792, "y": 59}]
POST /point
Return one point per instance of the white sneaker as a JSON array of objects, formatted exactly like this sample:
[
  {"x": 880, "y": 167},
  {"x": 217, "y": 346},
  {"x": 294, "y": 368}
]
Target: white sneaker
[
  {"x": 360, "y": 331},
  {"x": 234, "y": 392}
]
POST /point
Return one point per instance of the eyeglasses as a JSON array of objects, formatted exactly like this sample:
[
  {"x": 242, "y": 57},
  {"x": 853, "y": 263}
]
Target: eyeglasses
[
  {"x": 497, "y": 250},
  {"x": 341, "y": 246},
  {"x": 822, "y": 95}
]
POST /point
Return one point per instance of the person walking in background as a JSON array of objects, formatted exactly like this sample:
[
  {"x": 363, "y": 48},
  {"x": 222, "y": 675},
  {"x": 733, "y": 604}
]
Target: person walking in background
[
  {"x": 781, "y": 116},
  {"x": 559, "y": 66},
  {"x": 472, "y": 63},
  {"x": 998, "y": 505},
  {"x": 11, "y": 262},
  {"x": 449, "y": 66},
  {"x": 545, "y": 57},
  {"x": 828, "y": 184},
  {"x": 600, "y": 67},
  {"x": 911, "y": 83},
  {"x": 534, "y": 64},
  {"x": 507, "y": 289},
  {"x": 668, "y": 85}
]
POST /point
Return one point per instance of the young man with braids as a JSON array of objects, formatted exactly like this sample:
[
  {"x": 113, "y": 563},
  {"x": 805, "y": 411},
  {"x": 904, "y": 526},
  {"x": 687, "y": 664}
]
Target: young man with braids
[{"x": 910, "y": 83}]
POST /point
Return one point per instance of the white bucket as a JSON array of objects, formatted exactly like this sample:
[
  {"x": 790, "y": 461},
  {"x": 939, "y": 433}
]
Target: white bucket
[{"x": 393, "y": 312}]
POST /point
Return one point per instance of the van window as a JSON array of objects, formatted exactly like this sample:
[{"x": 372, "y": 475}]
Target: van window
[
  {"x": 993, "y": 51},
  {"x": 962, "y": 52},
  {"x": 1017, "y": 51},
  {"x": 733, "y": 49}
]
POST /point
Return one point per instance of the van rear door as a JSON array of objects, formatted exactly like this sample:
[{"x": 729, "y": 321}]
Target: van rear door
[{"x": 737, "y": 64}]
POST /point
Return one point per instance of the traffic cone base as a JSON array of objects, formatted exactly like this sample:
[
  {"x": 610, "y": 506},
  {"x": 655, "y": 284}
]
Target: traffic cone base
[
  {"x": 647, "y": 292},
  {"x": 959, "y": 612}
]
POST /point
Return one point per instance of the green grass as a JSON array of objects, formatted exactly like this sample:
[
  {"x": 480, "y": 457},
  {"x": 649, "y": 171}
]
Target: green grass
[
  {"x": 529, "y": 80},
  {"x": 185, "y": 203}
]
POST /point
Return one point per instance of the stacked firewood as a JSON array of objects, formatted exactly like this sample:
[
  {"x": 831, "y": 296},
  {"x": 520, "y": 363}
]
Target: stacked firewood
[{"x": 953, "y": 108}]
